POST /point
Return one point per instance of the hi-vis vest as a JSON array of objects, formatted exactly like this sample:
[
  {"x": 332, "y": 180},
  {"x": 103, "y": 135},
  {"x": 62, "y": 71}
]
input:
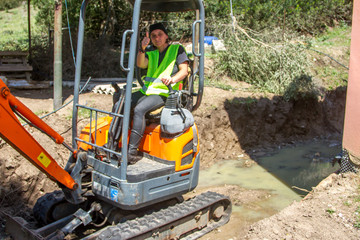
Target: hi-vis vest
[{"x": 152, "y": 82}]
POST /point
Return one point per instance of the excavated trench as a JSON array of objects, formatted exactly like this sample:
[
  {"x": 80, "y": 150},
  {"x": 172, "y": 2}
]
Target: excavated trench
[{"x": 255, "y": 125}]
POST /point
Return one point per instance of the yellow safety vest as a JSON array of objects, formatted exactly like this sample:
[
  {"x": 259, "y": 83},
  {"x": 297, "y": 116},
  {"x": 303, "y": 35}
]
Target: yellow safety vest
[{"x": 152, "y": 82}]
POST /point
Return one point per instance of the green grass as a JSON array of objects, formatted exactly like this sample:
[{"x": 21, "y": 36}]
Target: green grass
[
  {"x": 218, "y": 84},
  {"x": 83, "y": 113},
  {"x": 330, "y": 211},
  {"x": 41, "y": 113},
  {"x": 357, "y": 222},
  {"x": 357, "y": 211},
  {"x": 336, "y": 37},
  {"x": 335, "y": 43},
  {"x": 14, "y": 28}
]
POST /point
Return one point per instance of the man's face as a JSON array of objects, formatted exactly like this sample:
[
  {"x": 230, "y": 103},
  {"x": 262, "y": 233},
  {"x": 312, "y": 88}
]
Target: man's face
[{"x": 158, "y": 37}]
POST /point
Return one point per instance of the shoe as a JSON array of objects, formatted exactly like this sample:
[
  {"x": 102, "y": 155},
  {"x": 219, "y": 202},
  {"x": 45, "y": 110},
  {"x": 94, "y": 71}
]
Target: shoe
[
  {"x": 133, "y": 158},
  {"x": 133, "y": 155}
]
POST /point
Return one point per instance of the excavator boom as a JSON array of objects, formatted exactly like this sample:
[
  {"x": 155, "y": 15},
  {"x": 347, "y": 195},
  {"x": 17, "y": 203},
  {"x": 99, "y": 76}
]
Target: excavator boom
[{"x": 16, "y": 135}]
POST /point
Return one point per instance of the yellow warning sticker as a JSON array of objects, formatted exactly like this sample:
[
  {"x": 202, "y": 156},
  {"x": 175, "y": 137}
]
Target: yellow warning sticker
[{"x": 44, "y": 159}]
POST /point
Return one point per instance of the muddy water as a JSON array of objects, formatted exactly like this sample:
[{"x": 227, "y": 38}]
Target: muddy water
[
  {"x": 278, "y": 195},
  {"x": 261, "y": 194},
  {"x": 303, "y": 166}
]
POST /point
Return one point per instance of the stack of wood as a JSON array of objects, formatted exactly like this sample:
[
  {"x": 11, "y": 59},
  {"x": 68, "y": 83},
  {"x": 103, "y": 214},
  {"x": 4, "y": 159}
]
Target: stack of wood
[{"x": 14, "y": 66}]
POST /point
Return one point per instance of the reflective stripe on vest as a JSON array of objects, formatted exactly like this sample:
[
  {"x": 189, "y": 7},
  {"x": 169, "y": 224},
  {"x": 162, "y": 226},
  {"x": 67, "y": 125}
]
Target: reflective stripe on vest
[{"x": 152, "y": 82}]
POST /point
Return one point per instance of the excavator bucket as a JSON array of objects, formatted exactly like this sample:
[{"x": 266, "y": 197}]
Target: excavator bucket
[{"x": 20, "y": 229}]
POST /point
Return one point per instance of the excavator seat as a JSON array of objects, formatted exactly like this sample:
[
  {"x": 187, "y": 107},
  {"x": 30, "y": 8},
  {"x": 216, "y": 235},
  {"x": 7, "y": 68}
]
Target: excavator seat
[{"x": 154, "y": 116}]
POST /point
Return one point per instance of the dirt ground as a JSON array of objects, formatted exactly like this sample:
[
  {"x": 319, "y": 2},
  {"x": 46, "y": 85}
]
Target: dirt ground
[{"x": 231, "y": 123}]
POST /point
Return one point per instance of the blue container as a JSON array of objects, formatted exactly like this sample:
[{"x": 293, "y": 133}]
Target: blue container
[{"x": 209, "y": 39}]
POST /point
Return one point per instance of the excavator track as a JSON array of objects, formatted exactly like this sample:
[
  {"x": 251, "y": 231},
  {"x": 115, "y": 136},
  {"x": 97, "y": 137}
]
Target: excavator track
[
  {"x": 190, "y": 219},
  {"x": 44, "y": 206}
]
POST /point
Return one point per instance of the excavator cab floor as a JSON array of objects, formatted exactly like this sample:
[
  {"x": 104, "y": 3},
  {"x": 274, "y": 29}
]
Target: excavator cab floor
[{"x": 148, "y": 168}]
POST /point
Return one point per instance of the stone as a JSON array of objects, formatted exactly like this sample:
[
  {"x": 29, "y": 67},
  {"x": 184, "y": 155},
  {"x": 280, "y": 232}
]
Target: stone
[{"x": 218, "y": 45}]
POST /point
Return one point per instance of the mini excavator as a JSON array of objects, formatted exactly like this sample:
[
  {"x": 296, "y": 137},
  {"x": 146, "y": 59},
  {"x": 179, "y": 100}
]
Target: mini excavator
[{"x": 98, "y": 186}]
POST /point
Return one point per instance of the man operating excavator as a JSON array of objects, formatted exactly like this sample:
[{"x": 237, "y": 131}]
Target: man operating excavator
[{"x": 166, "y": 64}]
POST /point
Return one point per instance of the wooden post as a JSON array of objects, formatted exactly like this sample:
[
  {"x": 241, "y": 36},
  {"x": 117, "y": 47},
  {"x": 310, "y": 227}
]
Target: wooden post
[
  {"x": 29, "y": 28},
  {"x": 58, "y": 55}
]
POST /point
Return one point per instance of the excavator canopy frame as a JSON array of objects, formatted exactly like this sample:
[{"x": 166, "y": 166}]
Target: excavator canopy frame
[
  {"x": 198, "y": 27},
  {"x": 168, "y": 5}
]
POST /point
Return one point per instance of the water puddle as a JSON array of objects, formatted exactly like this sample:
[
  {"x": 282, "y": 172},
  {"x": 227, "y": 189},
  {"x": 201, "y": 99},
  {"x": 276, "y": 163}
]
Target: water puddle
[
  {"x": 302, "y": 166},
  {"x": 271, "y": 180},
  {"x": 276, "y": 195}
]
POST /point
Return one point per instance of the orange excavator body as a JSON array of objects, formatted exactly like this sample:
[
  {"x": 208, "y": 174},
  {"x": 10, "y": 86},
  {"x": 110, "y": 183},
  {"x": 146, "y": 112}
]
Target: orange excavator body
[{"x": 168, "y": 149}]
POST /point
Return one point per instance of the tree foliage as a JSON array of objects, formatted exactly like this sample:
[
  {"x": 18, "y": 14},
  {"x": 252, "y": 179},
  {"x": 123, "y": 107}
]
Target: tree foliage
[
  {"x": 310, "y": 16},
  {"x": 112, "y": 17}
]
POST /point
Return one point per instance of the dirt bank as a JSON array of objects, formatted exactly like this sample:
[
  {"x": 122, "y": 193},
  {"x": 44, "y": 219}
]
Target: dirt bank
[
  {"x": 236, "y": 122},
  {"x": 231, "y": 123},
  {"x": 330, "y": 211}
]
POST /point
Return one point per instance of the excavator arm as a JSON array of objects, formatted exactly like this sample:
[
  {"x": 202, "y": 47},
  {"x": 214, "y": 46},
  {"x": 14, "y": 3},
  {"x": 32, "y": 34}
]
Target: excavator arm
[{"x": 16, "y": 135}]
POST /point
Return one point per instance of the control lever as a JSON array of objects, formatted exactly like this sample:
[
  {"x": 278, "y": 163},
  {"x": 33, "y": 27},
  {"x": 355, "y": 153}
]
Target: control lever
[{"x": 172, "y": 103}]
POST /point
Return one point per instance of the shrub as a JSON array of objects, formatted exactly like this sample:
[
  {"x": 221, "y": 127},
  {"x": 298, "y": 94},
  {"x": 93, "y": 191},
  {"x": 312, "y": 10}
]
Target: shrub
[{"x": 280, "y": 68}]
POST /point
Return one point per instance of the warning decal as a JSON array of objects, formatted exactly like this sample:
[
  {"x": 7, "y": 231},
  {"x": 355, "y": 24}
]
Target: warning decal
[{"x": 44, "y": 159}]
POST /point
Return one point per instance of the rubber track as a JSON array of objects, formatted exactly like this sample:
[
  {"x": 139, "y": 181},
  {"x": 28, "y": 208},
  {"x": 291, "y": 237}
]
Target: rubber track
[
  {"x": 147, "y": 223},
  {"x": 44, "y": 204}
]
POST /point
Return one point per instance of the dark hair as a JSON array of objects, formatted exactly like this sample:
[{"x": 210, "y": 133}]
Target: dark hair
[{"x": 159, "y": 26}]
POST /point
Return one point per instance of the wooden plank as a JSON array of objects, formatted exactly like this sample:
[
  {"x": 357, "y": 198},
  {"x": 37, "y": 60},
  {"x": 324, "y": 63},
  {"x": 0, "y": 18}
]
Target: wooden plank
[
  {"x": 11, "y": 60},
  {"x": 15, "y": 68},
  {"x": 16, "y": 75},
  {"x": 24, "y": 84},
  {"x": 13, "y": 53}
]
